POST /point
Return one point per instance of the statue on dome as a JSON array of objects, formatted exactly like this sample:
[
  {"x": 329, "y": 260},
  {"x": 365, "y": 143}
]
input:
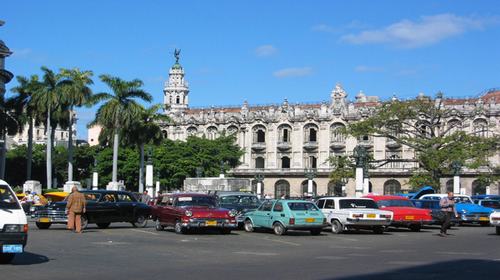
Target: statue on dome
[{"x": 177, "y": 53}]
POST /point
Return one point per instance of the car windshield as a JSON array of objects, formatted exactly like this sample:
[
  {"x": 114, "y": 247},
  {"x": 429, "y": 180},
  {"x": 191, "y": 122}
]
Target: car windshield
[
  {"x": 246, "y": 200},
  {"x": 89, "y": 196},
  {"x": 491, "y": 203},
  {"x": 395, "y": 203},
  {"x": 302, "y": 206},
  {"x": 462, "y": 199},
  {"x": 7, "y": 198},
  {"x": 207, "y": 201},
  {"x": 357, "y": 203}
]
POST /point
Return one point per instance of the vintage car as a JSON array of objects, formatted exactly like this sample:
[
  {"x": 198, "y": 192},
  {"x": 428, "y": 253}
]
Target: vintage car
[
  {"x": 436, "y": 212},
  {"x": 103, "y": 208},
  {"x": 345, "y": 213},
  {"x": 186, "y": 211},
  {"x": 485, "y": 196},
  {"x": 468, "y": 212},
  {"x": 495, "y": 221},
  {"x": 489, "y": 203},
  {"x": 283, "y": 215},
  {"x": 405, "y": 214},
  {"x": 13, "y": 224},
  {"x": 240, "y": 201}
]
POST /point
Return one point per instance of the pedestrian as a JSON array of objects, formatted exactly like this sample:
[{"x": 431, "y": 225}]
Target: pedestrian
[
  {"x": 145, "y": 197},
  {"x": 447, "y": 204},
  {"x": 75, "y": 207}
]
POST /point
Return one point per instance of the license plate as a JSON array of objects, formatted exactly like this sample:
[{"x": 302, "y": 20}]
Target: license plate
[
  {"x": 309, "y": 220},
  {"x": 14, "y": 248},
  {"x": 44, "y": 220},
  {"x": 484, "y": 219},
  {"x": 371, "y": 216},
  {"x": 409, "y": 218},
  {"x": 211, "y": 223}
]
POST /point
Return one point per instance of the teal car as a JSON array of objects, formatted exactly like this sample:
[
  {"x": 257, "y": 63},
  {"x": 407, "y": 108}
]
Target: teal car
[{"x": 282, "y": 215}]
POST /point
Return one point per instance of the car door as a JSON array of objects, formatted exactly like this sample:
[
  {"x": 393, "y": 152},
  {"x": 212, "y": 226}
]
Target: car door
[
  {"x": 125, "y": 205},
  {"x": 263, "y": 214},
  {"x": 108, "y": 210},
  {"x": 329, "y": 208},
  {"x": 278, "y": 214}
]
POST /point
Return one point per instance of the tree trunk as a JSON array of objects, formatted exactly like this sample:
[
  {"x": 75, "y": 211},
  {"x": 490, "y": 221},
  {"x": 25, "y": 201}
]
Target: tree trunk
[
  {"x": 141, "y": 169},
  {"x": 115, "y": 157},
  {"x": 3, "y": 155},
  {"x": 49, "y": 151},
  {"x": 70, "y": 146},
  {"x": 29, "y": 156}
]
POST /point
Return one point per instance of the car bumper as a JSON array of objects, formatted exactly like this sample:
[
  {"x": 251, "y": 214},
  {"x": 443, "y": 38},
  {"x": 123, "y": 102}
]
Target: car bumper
[
  {"x": 306, "y": 227},
  {"x": 54, "y": 217},
  {"x": 407, "y": 223},
  {"x": 15, "y": 238},
  {"x": 474, "y": 218},
  {"x": 367, "y": 222},
  {"x": 220, "y": 223}
]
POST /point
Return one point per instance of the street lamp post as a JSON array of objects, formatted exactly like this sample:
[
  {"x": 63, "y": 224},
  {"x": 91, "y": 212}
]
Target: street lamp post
[
  {"x": 344, "y": 181},
  {"x": 259, "y": 178},
  {"x": 95, "y": 176},
  {"x": 310, "y": 175},
  {"x": 149, "y": 173},
  {"x": 456, "y": 166}
]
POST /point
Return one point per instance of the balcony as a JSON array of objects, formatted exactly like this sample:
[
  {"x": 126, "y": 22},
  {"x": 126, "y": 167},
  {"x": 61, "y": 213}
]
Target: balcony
[
  {"x": 284, "y": 146},
  {"x": 391, "y": 144},
  {"x": 366, "y": 143},
  {"x": 259, "y": 146},
  {"x": 337, "y": 144},
  {"x": 311, "y": 145}
]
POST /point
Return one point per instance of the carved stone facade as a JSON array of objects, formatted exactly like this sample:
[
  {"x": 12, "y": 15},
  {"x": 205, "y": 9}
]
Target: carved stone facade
[{"x": 281, "y": 141}]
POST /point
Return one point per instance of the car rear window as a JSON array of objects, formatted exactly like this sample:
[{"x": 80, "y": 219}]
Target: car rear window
[
  {"x": 357, "y": 203},
  {"x": 491, "y": 203},
  {"x": 8, "y": 199},
  {"x": 395, "y": 203},
  {"x": 196, "y": 201},
  {"x": 302, "y": 206}
]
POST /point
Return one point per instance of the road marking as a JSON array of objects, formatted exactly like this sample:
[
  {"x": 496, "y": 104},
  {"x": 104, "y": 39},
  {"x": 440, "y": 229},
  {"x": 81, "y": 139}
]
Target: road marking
[
  {"x": 396, "y": 251},
  {"x": 282, "y": 241},
  {"x": 350, "y": 247},
  {"x": 330, "y": 258},
  {"x": 144, "y": 231},
  {"x": 359, "y": 255},
  {"x": 110, "y": 242},
  {"x": 256, "y": 253}
]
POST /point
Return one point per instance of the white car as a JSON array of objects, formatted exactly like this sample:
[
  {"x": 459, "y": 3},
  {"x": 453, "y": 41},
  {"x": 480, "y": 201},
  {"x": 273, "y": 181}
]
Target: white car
[
  {"x": 13, "y": 224},
  {"x": 345, "y": 213},
  {"x": 495, "y": 221}
]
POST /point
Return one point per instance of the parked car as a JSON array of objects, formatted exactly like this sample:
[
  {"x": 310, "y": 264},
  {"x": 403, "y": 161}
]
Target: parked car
[
  {"x": 186, "y": 211},
  {"x": 468, "y": 211},
  {"x": 490, "y": 203},
  {"x": 103, "y": 208},
  {"x": 284, "y": 215},
  {"x": 13, "y": 224},
  {"x": 485, "y": 196},
  {"x": 495, "y": 221},
  {"x": 240, "y": 201},
  {"x": 345, "y": 213},
  {"x": 436, "y": 212},
  {"x": 405, "y": 214}
]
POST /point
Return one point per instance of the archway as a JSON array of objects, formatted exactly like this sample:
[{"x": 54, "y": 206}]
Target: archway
[
  {"x": 281, "y": 188},
  {"x": 478, "y": 187},
  {"x": 304, "y": 187},
  {"x": 392, "y": 187}
]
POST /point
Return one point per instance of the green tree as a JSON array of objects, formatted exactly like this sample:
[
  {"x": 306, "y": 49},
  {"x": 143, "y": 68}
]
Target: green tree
[
  {"x": 8, "y": 125},
  {"x": 342, "y": 169},
  {"x": 421, "y": 125},
  {"x": 119, "y": 110}
]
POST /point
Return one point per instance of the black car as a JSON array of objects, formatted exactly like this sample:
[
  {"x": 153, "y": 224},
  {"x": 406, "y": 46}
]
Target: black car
[
  {"x": 103, "y": 208},
  {"x": 240, "y": 201},
  {"x": 436, "y": 212}
]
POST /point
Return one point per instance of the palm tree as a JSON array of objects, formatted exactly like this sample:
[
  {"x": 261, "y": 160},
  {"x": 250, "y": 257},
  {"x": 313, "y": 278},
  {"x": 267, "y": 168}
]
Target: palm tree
[
  {"x": 146, "y": 130},
  {"x": 26, "y": 110},
  {"x": 120, "y": 109},
  {"x": 48, "y": 100},
  {"x": 8, "y": 125},
  {"x": 75, "y": 94}
]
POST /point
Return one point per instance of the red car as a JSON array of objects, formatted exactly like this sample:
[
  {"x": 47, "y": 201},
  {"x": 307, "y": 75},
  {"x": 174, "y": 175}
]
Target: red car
[
  {"x": 405, "y": 213},
  {"x": 185, "y": 211}
]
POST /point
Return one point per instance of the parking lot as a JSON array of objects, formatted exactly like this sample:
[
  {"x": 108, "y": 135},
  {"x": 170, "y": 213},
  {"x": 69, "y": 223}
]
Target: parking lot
[{"x": 124, "y": 252}]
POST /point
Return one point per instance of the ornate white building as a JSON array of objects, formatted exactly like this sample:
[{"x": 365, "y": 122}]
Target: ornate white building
[{"x": 282, "y": 141}]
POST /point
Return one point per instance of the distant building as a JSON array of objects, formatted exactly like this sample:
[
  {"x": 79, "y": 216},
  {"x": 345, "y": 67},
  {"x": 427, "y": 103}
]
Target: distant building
[
  {"x": 93, "y": 135},
  {"x": 5, "y": 76}
]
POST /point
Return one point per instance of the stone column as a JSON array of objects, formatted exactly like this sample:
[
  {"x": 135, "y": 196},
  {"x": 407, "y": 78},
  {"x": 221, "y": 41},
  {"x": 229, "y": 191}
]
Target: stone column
[
  {"x": 456, "y": 184},
  {"x": 366, "y": 186},
  {"x": 359, "y": 181},
  {"x": 95, "y": 180}
]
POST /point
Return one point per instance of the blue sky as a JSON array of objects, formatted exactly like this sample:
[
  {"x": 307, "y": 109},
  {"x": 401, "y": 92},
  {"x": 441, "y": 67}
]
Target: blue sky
[{"x": 263, "y": 51}]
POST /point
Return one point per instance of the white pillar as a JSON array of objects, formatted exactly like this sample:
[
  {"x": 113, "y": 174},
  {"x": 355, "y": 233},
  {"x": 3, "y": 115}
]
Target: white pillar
[
  {"x": 95, "y": 180},
  {"x": 359, "y": 181},
  {"x": 456, "y": 184},
  {"x": 488, "y": 190},
  {"x": 259, "y": 189},
  {"x": 310, "y": 187},
  {"x": 157, "y": 189},
  {"x": 149, "y": 180},
  {"x": 366, "y": 186}
]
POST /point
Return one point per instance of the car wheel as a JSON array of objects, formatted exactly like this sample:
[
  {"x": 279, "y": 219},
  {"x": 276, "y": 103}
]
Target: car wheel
[
  {"x": 103, "y": 225},
  {"x": 225, "y": 231},
  {"x": 498, "y": 230},
  {"x": 85, "y": 222},
  {"x": 279, "y": 229},
  {"x": 415, "y": 228},
  {"x": 43, "y": 225},
  {"x": 248, "y": 226},
  {"x": 6, "y": 258},
  {"x": 140, "y": 222},
  {"x": 337, "y": 227},
  {"x": 378, "y": 230},
  {"x": 178, "y": 228},
  {"x": 158, "y": 225},
  {"x": 316, "y": 231}
]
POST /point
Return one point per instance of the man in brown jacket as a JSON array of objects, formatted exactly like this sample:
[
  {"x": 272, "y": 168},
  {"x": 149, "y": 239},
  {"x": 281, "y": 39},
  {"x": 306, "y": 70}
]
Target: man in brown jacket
[{"x": 75, "y": 207}]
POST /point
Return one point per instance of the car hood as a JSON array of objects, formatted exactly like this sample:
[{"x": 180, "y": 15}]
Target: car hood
[
  {"x": 206, "y": 211},
  {"x": 472, "y": 208},
  {"x": 423, "y": 191}
]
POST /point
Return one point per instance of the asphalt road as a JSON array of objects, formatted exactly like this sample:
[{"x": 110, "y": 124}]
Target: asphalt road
[{"x": 124, "y": 252}]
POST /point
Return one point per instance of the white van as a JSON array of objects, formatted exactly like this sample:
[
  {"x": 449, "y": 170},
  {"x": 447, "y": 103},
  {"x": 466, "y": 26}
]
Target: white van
[{"x": 13, "y": 224}]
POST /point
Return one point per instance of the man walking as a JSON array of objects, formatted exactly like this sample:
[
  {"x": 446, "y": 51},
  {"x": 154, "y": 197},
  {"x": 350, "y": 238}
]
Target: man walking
[
  {"x": 145, "y": 197},
  {"x": 447, "y": 205},
  {"x": 75, "y": 207}
]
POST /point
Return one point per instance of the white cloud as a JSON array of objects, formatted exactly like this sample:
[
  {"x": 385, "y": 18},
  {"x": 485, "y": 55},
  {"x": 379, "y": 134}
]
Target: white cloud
[
  {"x": 21, "y": 53},
  {"x": 427, "y": 31},
  {"x": 293, "y": 72},
  {"x": 366, "y": 69},
  {"x": 265, "y": 50}
]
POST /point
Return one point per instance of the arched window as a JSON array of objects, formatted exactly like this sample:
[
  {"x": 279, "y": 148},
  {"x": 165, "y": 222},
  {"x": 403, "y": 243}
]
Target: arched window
[
  {"x": 336, "y": 132},
  {"x": 454, "y": 126},
  {"x": 392, "y": 187},
  {"x": 177, "y": 100},
  {"x": 284, "y": 132},
  {"x": 232, "y": 129},
  {"x": 312, "y": 162},
  {"x": 310, "y": 133},
  {"x": 259, "y": 134},
  {"x": 334, "y": 189},
  {"x": 285, "y": 162},
  {"x": 449, "y": 186},
  {"x": 281, "y": 188},
  {"x": 478, "y": 187},
  {"x": 480, "y": 127},
  {"x": 304, "y": 187},
  {"x": 192, "y": 131},
  {"x": 259, "y": 162},
  {"x": 211, "y": 133}
]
